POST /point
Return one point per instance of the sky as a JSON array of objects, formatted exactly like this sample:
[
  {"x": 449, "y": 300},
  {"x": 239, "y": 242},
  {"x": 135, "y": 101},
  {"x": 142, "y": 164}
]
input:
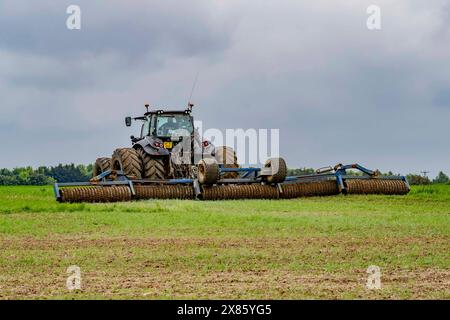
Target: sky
[{"x": 338, "y": 92}]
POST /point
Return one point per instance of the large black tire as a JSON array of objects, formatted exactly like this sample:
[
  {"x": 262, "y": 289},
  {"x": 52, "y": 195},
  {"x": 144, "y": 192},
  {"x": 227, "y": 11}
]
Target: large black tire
[
  {"x": 101, "y": 165},
  {"x": 129, "y": 161},
  {"x": 152, "y": 167},
  {"x": 279, "y": 170},
  {"x": 227, "y": 157},
  {"x": 208, "y": 171}
]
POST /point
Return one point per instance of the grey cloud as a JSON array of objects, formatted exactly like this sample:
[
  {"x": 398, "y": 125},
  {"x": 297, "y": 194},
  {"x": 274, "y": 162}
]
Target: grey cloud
[
  {"x": 337, "y": 91},
  {"x": 442, "y": 98},
  {"x": 155, "y": 28}
]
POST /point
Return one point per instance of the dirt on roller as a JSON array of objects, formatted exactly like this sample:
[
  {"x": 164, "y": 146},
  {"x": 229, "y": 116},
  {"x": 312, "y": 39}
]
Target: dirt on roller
[
  {"x": 309, "y": 189},
  {"x": 164, "y": 192},
  {"x": 95, "y": 194},
  {"x": 376, "y": 186},
  {"x": 234, "y": 192}
]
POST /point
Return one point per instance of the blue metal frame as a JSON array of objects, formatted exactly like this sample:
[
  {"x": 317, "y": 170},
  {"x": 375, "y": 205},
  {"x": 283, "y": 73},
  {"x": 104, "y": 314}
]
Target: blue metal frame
[
  {"x": 339, "y": 173},
  {"x": 222, "y": 169},
  {"x": 342, "y": 169}
]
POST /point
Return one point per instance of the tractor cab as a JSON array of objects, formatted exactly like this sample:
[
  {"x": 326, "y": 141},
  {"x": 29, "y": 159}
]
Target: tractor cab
[
  {"x": 167, "y": 127},
  {"x": 163, "y": 130},
  {"x": 164, "y": 125}
]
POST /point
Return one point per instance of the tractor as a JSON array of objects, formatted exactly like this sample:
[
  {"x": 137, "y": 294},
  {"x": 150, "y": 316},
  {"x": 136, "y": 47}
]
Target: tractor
[{"x": 168, "y": 147}]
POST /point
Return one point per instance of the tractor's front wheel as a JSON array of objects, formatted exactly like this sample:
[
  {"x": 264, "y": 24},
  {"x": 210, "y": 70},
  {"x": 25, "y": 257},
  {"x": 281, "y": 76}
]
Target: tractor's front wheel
[
  {"x": 153, "y": 168},
  {"x": 128, "y": 161}
]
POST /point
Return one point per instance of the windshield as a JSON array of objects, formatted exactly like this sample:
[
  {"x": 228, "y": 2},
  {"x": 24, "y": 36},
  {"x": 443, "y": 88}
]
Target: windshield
[{"x": 168, "y": 125}]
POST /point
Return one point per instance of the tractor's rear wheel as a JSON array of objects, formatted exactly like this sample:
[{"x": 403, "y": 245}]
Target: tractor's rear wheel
[
  {"x": 127, "y": 160},
  {"x": 152, "y": 167},
  {"x": 227, "y": 157},
  {"x": 101, "y": 165}
]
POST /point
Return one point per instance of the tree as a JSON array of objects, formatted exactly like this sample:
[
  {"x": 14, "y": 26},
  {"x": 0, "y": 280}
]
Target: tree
[
  {"x": 38, "y": 179},
  {"x": 441, "y": 178},
  {"x": 415, "y": 179},
  {"x": 69, "y": 173},
  {"x": 299, "y": 172}
]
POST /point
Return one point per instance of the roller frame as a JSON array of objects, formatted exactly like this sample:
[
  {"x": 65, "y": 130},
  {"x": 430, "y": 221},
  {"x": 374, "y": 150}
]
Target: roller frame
[{"x": 248, "y": 176}]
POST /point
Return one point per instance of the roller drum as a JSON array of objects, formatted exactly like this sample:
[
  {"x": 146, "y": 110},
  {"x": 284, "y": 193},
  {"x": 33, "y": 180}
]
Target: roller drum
[
  {"x": 236, "y": 192},
  {"x": 164, "y": 192},
  {"x": 377, "y": 186},
  {"x": 309, "y": 189},
  {"x": 95, "y": 194}
]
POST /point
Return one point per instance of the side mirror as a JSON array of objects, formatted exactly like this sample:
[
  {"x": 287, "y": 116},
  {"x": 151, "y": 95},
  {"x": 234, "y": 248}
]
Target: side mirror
[{"x": 128, "y": 121}]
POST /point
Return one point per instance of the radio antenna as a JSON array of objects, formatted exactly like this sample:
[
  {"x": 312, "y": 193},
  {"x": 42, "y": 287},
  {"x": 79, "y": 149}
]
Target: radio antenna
[{"x": 192, "y": 90}]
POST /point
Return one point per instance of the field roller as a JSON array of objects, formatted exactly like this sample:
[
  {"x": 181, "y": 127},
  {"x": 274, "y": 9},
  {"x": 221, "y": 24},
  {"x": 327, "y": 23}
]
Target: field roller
[
  {"x": 212, "y": 183},
  {"x": 170, "y": 160}
]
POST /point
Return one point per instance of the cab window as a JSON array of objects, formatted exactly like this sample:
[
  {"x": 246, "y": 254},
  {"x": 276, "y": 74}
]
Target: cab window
[
  {"x": 166, "y": 125},
  {"x": 145, "y": 128}
]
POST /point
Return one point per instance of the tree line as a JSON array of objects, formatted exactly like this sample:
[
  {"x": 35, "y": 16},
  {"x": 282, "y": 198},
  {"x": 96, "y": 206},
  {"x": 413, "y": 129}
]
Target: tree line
[
  {"x": 415, "y": 179},
  {"x": 72, "y": 173},
  {"x": 45, "y": 175}
]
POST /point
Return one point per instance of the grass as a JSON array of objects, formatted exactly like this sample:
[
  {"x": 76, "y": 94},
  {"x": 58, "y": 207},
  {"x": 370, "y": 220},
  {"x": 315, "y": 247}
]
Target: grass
[{"x": 287, "y": 249}]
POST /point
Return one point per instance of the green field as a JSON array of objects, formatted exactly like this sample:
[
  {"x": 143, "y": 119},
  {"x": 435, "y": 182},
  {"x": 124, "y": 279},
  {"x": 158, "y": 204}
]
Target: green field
[{"x": 288, "y": 249}]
